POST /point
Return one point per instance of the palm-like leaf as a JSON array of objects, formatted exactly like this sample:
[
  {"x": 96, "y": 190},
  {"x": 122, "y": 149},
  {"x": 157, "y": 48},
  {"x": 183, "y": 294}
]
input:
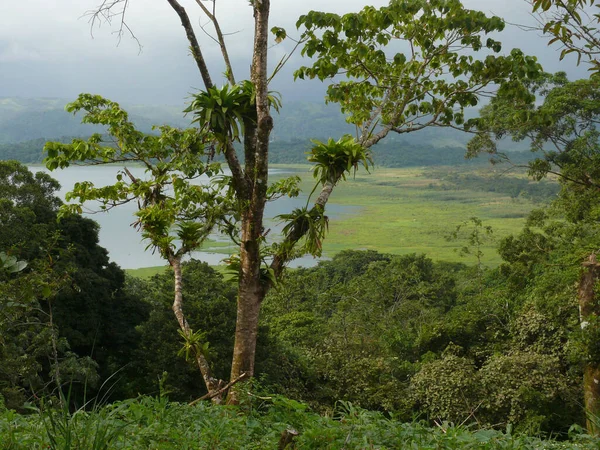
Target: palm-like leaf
[
  {"x": 334, "y": 159},
  {"x": 192, "y": 344},
  {"x": 311, "y": 223},
  {"x": 225, "y": 111}
]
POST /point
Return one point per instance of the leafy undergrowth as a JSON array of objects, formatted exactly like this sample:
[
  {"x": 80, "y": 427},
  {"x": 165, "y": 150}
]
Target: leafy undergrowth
[{"x": 149, "y": 423}]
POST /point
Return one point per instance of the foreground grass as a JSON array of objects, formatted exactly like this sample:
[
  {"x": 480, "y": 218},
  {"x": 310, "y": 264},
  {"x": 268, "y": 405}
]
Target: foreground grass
[{"x": 150, "y": 423}]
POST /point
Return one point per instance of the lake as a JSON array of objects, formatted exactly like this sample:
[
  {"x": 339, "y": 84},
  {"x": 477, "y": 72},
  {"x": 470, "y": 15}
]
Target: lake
[{"x": 124, "y": 243}]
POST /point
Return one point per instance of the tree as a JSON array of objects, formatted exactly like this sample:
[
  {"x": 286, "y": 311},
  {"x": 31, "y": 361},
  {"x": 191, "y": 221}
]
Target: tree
[
  {"x": 354, "y": 328},
  {"x": 65, "y": 317},
  {"x": 210, "y": 309},
  {"x": 474, "y": 235},
  {"x": 573, "y": 24},
  {"x": 398, "y": 94},
  {"x": 562, "y": 130},
  {"x": 176, "y": 213},
  {"x": 431, "y": 84}
]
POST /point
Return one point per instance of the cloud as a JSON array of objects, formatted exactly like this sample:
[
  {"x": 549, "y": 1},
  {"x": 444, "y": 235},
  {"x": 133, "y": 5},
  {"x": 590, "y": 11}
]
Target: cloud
[
  {"x": 15, "y": 51},
  {"x": 46, "y": 48}
]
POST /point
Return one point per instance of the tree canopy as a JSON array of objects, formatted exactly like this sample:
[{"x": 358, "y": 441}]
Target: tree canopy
[{"x": 66, "y": 315}]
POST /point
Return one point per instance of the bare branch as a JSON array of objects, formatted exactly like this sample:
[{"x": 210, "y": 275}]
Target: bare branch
[
  {"x": 283, "y": 61},
  {"x": 221, "y": 40},
  {"x": 104, "y": 13}
]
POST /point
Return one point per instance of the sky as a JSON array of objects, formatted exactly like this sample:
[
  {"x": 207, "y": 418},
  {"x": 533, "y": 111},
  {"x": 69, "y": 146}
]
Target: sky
[{"x": 49, "y": 49}]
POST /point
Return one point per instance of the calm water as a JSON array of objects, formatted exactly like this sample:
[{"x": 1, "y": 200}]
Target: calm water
[{"x": 124, "y": 243}]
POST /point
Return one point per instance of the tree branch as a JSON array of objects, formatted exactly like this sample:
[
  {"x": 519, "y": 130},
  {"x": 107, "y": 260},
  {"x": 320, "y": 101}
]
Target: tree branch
[
  {"x": 221, "y": 39},
  {"x": 282, "y": 258},
  {"x": 194, "y": 46},
  {"x": 210, "y": 395},
  {"x": 104, "y": 13}
]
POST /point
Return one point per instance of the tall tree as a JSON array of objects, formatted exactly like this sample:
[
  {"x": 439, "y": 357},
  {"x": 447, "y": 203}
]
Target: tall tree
[
  {"x": 562, "y": 130},
  {"x": 175, "y": 212},
  {"x": 428, "y": 85}
]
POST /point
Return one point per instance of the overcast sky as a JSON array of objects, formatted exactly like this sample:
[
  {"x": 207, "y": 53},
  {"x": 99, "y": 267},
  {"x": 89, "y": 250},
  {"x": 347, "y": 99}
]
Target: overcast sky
[{"x": 47, "y": 48}]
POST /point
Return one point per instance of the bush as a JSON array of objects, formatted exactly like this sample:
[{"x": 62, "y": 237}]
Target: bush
[
  {"x": 528, "y": 390},
  {"x": 447, "y": 389}
]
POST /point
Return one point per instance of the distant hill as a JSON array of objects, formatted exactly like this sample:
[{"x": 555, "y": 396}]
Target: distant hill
[
  {"x": 387, "y": 154},
  {"x": 25, "y": 119},
  {"x": 26, "y": 124}
]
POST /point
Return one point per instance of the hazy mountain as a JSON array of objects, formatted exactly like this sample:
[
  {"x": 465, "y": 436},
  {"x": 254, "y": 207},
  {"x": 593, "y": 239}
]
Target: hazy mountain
[
  {"x": 25, "y": 119},
  {"x": 30, "y": 121}
]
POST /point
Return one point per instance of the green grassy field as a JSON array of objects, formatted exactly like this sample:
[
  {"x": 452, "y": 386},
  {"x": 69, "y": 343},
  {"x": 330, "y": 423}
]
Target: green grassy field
[
  {"x": 402, "y": 211},
  {"x": 147, "y": 272}
]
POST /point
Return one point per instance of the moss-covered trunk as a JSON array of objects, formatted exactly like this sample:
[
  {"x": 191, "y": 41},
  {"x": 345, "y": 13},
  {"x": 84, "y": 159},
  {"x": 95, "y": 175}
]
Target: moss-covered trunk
[{"x": 589, "y": 311}]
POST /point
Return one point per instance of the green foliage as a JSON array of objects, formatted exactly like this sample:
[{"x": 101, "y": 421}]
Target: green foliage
[
  {"x": 157, "y": 424},
  {"x": 98, "y": 428},
  {"x": 574, "y": 25},
  {"x": 495, "y": 348},
  {"x": 562, "y": 129},
  {"x": 332, "y": 160},
  {"x": 454, "y": 400},
  {"x": 193, "y": 343},
  {"x": 355, "y": 319},
  {"x": 209, "y": 307},
  {"x": 174, "y": 214},
  {"x": 312, "y": 223},
  {"x": 29, "y": 342},
  {"x": 10, "y": 264},
  {"x": 528, "y": 389},
  {"x": 223, "y": 111},
  {"x": 233, "y": 271},
  {"x": 288, "y": 187},
  {"x": 226, "y": 111},
  {"x": 64, "y": 318},
  {"x": 402, "y": 92},
  {"x": 523, "y": 388},
  {"x": 475, "y": 235}
]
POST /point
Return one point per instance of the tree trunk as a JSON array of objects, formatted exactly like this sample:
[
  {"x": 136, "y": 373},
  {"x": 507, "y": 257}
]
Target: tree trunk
[
  {"x": 251, "y": 286},
  {"x": 250, "y": 295},
  {"x": 212, "y": 384},
  {"x": 589, "y": 310}
]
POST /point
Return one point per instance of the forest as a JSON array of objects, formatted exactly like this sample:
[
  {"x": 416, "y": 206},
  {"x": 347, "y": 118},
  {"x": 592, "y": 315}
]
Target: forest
[{"x": 365, "y": 350}]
